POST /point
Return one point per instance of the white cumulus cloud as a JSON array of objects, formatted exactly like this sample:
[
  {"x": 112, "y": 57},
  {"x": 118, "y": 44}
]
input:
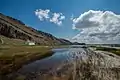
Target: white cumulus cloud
[
  {"x": 57, "y": 18},
  {"x": 42, "y": 14},
  {"x": 47, "y": 15},
  {"x": 97, "y": 27}
]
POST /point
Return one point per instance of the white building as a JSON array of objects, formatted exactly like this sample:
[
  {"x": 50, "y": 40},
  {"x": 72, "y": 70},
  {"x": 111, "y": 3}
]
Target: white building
[{"x": 30, "y": 43}]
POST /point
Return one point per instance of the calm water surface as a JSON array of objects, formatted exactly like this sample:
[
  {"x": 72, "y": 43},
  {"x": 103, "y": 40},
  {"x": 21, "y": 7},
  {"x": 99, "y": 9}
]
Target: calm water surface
[{"x": 60, "y": 57}]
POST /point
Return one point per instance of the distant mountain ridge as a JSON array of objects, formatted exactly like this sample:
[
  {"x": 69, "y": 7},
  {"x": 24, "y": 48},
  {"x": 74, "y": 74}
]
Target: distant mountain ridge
[{"x": 16, "y": 29}]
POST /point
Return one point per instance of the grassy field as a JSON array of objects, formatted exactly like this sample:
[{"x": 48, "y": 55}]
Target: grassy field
[
  {"x": 10, "y": 41},
  {"x": 112, "y": 50},
  {"x": 13, "y": 57}
]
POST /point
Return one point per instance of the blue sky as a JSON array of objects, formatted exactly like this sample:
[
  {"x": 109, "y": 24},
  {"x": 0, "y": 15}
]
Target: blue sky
[{"x": 24, "y": 10}]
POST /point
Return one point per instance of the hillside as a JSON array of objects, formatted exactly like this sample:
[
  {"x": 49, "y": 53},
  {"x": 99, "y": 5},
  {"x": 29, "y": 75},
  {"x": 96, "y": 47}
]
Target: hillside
[{"x": 15, "y": 30}]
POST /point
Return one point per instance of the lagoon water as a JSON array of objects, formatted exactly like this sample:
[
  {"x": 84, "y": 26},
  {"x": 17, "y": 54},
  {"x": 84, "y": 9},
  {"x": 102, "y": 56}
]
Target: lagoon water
[
  {"x": 59, "y": 58},
  {"x": 73, "y": 64}
]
